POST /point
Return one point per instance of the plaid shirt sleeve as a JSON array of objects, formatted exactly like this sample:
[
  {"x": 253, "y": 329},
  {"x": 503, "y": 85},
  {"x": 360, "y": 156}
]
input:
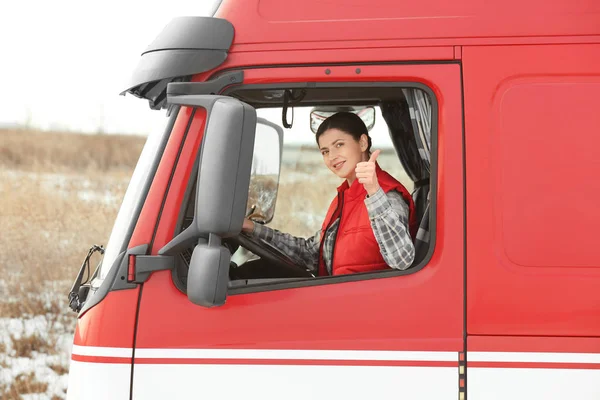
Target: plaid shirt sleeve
[
  {"x": 304, "y": 251},
  {"x": 389, "y": 219}
]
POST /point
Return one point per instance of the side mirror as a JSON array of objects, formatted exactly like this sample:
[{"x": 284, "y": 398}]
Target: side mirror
[
  {"x": 221, "y": 193},
  {"x": 264, "y": 176},
  {"x": 320, "y": 114}
]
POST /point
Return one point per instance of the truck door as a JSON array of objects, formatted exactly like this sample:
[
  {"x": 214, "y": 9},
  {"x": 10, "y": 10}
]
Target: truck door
[{"x": 394, "y": 334}]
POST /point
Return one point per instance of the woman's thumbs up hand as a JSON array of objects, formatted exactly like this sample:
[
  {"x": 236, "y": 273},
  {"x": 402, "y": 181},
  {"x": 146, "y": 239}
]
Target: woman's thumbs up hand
[{"x": 365, "y": 173}]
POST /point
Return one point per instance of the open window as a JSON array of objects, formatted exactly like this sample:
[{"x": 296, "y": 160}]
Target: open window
[{"x": 291, "y": 188}]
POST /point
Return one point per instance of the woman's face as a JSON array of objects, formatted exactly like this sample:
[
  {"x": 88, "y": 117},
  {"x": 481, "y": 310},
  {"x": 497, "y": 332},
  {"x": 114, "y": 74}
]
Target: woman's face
[{"x": 341, "y": 152}]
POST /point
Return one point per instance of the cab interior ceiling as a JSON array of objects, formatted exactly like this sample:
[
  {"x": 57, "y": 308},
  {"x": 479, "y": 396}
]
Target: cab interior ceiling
[{"x": 303, "y": 97}]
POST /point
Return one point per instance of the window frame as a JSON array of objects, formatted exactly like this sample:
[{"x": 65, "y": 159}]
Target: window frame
[{"x": 327, "y": 280}]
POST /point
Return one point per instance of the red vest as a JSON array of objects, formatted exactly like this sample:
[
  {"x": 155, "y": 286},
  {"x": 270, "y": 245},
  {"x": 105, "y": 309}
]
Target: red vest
[{"x": 356, "y": 249}]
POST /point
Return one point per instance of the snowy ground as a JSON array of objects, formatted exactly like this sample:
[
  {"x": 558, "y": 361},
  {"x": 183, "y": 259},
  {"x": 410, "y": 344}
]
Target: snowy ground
[
  {"x": 52, "y": 218},
  {"x": 49, "y": 363}
]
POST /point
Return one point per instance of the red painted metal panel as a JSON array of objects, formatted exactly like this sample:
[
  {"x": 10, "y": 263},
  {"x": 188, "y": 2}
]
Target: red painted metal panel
[
  {"x": 101, "y": 360},
  {"x": 241, "y": 361},
  {"x": 149, "y": 215},
  {"x": 110, "y": 323},
  {"x": 183, "y": 169},
  {"x": 540, "y": 344},
  {"x": 532, "y": 190},
  {"x": 313, "y": 21},
  {"x": 312, "y": 56}
]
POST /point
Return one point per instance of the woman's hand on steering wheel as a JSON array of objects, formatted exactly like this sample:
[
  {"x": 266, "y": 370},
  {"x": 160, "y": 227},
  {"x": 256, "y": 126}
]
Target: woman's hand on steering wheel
[
  {"x": 265, "y": 250},
  {"x": 247, "y": 225}
]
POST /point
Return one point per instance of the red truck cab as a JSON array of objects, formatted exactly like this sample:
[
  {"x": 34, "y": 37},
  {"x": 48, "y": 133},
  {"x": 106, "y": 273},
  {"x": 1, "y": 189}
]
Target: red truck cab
[{"x": 488, "y": 112}]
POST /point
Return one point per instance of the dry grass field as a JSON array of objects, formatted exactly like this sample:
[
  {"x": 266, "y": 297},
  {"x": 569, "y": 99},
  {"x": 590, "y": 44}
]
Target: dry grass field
[{"x": 60, "y": 194}]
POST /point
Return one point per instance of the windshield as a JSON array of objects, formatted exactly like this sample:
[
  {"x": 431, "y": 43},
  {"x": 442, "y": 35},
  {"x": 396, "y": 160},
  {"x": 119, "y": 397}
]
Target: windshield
[
  {"x": 213, "y": 7},
  {"x": 129, "y": 208}
]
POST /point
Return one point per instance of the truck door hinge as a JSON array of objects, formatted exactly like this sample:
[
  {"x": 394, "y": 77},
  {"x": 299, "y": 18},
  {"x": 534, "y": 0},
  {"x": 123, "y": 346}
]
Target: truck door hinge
[
  {"x": 140, "y": 266},
  {"x": 462, "y": 376}
]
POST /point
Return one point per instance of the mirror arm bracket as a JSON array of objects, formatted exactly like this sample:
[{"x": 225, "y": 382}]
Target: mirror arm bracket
[
  {"x": 181, "y": 241},
  {"x": 145, "y": 265},
  {"x": 212, "y": 87}
]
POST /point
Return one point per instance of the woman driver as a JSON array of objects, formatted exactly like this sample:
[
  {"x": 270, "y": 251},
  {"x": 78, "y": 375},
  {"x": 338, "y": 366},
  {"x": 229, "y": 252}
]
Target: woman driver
[{"x": 369, "y": 226}]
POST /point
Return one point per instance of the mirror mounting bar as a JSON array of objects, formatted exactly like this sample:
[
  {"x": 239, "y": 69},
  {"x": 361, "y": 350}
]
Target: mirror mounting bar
[{"x": 214, "y": 86}]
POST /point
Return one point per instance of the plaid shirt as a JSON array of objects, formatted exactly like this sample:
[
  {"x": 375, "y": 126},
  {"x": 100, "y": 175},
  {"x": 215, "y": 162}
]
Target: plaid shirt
[{"x": 388, "y": 214}]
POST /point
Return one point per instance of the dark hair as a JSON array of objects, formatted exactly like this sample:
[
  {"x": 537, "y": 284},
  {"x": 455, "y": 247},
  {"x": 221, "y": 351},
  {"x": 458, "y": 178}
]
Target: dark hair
[{"x": 347, "y": 122}]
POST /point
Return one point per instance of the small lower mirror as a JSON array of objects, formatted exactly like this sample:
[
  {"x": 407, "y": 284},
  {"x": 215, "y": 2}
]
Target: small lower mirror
[{"x": 208, "y": 274}]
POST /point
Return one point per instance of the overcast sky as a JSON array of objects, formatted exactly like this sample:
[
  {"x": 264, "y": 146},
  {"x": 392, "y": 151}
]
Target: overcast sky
[{"x": 63, "y": 64}]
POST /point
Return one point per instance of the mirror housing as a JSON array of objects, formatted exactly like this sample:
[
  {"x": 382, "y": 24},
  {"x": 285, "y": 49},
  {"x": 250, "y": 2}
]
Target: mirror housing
[
  {"x": 221, "y": 194},
  {"x": 320, "y": 114},
  {"x": 223, "y": 170}
]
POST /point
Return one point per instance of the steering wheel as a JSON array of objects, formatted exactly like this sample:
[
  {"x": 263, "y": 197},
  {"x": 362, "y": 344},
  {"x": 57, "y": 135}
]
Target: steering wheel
[{"x": 267, "y": 251}]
